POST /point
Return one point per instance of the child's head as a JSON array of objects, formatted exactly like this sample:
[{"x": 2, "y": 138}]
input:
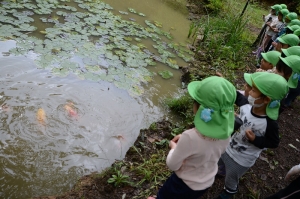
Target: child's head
[
  {"x": 269, "y": 60},
  {"x": 283, "y": 70},
  {"x": 215, "y": 116},
  {"x": 294, "y": 22},
  {"x": 293, "y": 61},
  {"x": 294, "y": 50},
  {"x": 284, "y": 13},
  {"x": 267, "y": 91},
  {"x": 291, "y": 29},
  {"x": 276, "y": 8},
  {"x": 287, "y": 41},
  {"x": 297, "y": 32},
  {"x": 283, "y": 6},
  {"x": 290, "y": 16},
  {"x": 248, "y": 84}
]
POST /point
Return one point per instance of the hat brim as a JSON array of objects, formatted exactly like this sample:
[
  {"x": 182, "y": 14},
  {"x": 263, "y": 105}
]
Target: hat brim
[
  {"x": 221, "y": 125},
  {"x": 248, "y": 79},
  {"x": 293, "y": 83},
  {"x": 286, "y": 52},
  {"x": 281, "y": 40},
  {"x": 192, "y": 88}
]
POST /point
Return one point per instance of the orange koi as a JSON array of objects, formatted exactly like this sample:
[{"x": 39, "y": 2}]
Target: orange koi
[
  {"x": 71, "y": 111},
  {"x": 41, "y": 116}
]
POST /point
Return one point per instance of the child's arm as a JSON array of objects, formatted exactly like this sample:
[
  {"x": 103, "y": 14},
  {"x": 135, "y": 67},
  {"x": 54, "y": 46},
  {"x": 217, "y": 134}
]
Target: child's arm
[
  {"x": 240, "y": 99},
  {"x": 178, "y": 154},
  {"x": 271, "y": 138}
]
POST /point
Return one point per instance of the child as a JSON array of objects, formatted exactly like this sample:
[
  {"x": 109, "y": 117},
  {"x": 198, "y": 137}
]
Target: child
[
  {"x": 279, "y": 29},
  {"x": 287, "y": 41},
  {"x": 294, "y": 22},
  {"x": 295, "y": 50},
  {"x": 292, "y": 61},
  {"x": 269, "y": 61},
  {"x": 247, "y": 85},
  {"x": 289, "y": 17},
  {"x": 272, "y": 25},
  {"x": 259, "y": 129},
  {"x": 292, "y": 191},
  {"x": 194, "y": 154}
]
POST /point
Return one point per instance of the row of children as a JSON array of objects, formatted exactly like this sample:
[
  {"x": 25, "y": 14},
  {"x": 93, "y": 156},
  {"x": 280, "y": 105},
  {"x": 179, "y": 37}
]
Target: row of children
[
  {"x": 278, "y": 23},
  {"x": 198, "y": 154}
]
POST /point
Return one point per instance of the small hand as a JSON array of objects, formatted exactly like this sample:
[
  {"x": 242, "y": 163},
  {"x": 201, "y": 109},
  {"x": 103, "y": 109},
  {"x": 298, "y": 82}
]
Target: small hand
[
  {"x": 250, "y": 135},
  {"x": 172, "y": 144},
  {"x": 176, "y": 138},
  {"x": 294, "y": 170},
  {"x": 274, "y": 44},
  {"x": 219, "y": 74}
]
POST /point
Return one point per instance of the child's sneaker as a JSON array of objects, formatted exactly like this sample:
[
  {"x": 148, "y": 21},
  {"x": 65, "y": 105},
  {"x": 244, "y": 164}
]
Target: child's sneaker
[
  {"x": 221, "y": 171},
  {"x": 225, "y": 195}
]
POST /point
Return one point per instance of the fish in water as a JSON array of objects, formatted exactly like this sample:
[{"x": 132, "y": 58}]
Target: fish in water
[
  {"x": 41, "y": 116},
  {"x": 69, "y": 107}
]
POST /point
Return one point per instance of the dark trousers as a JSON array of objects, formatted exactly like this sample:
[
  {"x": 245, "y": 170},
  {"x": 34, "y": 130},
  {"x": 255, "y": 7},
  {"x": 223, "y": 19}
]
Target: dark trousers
[
  {"x": 175, "y": 188},
  {"x": 290, "y": 192}
]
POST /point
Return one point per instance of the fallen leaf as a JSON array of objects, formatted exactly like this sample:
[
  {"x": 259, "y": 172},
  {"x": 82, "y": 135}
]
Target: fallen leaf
[
  {"x": 150, "y": 139},
  {"x": 264, "y": 159},
  {"x": 293, "y": 147}
]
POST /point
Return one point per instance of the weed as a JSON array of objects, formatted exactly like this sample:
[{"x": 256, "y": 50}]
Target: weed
[
  {"x": 119, "y": 179},
  {"x": 181, "y": 104}
]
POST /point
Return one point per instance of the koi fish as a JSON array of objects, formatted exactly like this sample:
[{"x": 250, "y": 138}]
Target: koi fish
[
  {"x": 71, "y": 111},
  {"x": 41, "y": 116}
]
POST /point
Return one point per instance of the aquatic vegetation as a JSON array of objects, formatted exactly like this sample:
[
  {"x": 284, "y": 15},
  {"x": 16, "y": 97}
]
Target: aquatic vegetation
[
  {"x": 165, "y": 74},
  {"x": 109, "y": 47}
]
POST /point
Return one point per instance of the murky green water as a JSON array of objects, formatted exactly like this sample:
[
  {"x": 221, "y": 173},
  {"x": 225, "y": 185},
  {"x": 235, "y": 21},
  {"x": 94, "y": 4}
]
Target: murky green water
[{"x": 86, "y": 121}]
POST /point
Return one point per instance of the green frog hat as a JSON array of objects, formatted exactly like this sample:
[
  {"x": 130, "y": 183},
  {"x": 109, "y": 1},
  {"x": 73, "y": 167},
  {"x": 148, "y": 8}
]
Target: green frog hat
[
  {"x": 294, "y": 50},
  {"x": 215, "y": 116},
  {"x": 271, "y": 57},
  {"x": 274, "y": 86},
  {"x": 293, "y": 61},
  {"x": 290, "y": 39}
]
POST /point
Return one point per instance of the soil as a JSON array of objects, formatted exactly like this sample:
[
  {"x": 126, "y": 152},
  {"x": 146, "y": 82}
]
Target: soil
[{"x": 263, "y": 179}]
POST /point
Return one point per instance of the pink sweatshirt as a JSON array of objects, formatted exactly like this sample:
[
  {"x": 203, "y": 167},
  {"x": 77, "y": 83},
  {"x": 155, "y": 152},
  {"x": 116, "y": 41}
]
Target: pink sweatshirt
[{"x": 195, "y": 159}]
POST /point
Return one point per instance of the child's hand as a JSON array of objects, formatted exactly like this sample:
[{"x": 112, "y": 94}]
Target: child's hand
[
  {"x": 172, "y": 144},
  {"x": 176, "y": 138},
  {"x": 219, "y": 74},
  {"x": 250, "y": 135},
  {"x": 274, "y": 44}
]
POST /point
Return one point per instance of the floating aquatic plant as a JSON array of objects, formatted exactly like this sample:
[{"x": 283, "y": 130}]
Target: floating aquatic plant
[{"x": 109, "y": 47}]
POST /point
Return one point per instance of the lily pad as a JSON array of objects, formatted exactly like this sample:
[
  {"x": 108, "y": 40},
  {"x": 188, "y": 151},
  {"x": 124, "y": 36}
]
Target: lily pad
[{"x": 165, "y": 74}]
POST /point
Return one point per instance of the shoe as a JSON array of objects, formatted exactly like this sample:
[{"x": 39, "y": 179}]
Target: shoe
[{"x": 225, "y": 195}]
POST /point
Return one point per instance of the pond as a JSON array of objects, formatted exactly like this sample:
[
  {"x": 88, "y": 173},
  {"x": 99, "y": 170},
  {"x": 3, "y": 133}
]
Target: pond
[{"x": 78, "y": 85}]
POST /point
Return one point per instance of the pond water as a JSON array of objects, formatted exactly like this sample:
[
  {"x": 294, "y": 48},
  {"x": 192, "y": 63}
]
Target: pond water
[{"x": 58, "y": 126}]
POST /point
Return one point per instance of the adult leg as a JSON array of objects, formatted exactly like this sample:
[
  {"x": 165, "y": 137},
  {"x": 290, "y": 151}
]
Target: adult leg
[{"x": 292, "y": 191}]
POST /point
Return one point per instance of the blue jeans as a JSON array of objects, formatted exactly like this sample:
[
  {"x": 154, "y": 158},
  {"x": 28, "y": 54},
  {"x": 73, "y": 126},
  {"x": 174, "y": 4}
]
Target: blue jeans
[
  {"x": 291, "y": 96},
  {"x": 175, "y": 188}
]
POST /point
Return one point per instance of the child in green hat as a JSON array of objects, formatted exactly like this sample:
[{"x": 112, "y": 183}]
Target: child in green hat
[
  {"x": 295, "y": 22},
  {"x": 269, "y": 61},
  {"x": 292, "y": 61},
  {"x": 195, "y": 153},
  {"x": 287, "y": 41},
  {"x": 294, "y": 50},
  {"x": 291, "y": 16},
  {"x": 259, "y": 130}
]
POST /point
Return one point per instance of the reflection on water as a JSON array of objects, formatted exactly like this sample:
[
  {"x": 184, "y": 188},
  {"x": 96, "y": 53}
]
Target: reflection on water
[{"x": 44, "y": 152}]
